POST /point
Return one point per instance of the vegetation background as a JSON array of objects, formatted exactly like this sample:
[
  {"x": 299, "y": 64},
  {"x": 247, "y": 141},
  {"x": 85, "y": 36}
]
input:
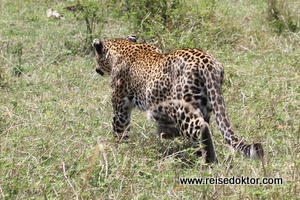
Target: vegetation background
[{"x": 55, "y": 112}]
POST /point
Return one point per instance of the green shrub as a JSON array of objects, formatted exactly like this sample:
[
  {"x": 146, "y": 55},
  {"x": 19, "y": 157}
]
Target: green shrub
[
  {"x": 280, "y": 16},
  {"x": 92, "y": 14}
]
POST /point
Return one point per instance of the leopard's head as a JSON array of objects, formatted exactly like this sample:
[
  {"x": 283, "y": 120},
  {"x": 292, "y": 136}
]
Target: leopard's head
[
  {"x": 106, "y": 51},
  {"x": 103, "y": 65}
]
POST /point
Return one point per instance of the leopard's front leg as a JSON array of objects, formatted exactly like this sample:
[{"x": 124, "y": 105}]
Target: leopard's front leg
[{"x": 121, "y": 120}]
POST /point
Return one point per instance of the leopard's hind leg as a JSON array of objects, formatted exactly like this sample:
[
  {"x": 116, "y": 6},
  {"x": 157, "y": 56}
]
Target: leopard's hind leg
[{"x": 187, "y": 122}]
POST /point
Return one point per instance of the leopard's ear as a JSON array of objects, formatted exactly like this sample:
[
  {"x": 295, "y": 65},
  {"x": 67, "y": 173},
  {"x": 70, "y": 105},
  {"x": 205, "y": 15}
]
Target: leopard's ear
[
  {"x": 131, "y": 38},
  {"x": 98, "y": 46}
]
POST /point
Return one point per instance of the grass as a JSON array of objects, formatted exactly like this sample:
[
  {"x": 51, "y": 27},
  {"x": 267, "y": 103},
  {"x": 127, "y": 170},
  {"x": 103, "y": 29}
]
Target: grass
[{"x": 55, "y": 112}]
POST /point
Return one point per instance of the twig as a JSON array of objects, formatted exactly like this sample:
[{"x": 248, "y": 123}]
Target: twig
[
  {"x": 101, "y": 148},
  {"x": 245, "y": 48},
  {"x": 14, "y": 66},
  {"x": 148, "y": 14},
  {"x": 68, "y": 180}
]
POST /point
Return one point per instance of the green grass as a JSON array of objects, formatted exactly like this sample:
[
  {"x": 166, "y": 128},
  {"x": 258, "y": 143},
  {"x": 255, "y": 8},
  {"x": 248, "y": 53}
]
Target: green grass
[{"x": 55, "y": 112}]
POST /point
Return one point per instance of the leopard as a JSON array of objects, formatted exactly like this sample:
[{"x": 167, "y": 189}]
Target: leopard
[{"x": 178, "y": 90}]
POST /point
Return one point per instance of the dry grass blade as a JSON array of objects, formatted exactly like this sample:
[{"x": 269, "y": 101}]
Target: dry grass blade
[{"x": 90, "y": 169}]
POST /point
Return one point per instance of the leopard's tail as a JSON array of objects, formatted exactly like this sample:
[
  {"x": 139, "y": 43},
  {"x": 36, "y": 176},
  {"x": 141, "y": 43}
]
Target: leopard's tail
[{"x": 213, "y": 83}]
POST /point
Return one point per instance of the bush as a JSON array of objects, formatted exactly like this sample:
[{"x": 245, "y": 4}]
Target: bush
[
  {"x": 166, "y": 21},
  {"x": 280, "y": 17},
  {"x": 92, "y": 13}
]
